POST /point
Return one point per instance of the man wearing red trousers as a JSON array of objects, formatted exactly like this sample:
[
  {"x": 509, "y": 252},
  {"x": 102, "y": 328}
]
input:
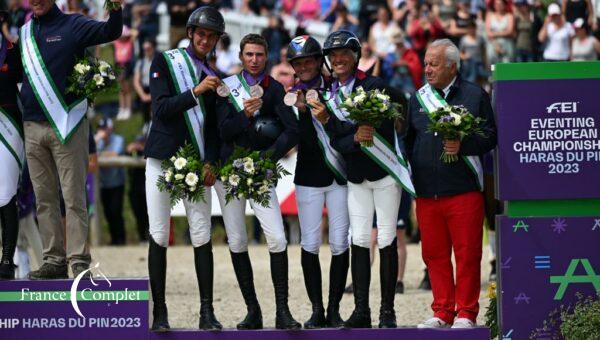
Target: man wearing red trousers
[{"x": 449, "y": 199}]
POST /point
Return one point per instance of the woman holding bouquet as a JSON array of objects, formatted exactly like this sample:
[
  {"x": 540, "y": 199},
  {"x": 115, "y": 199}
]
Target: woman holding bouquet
[
  {"x": 254, "y": 117},
  {"x": 371, "y": 188},
  {"x": 12, "y": 153},
  {"x": 320, "y": 179},
  {"x": 184, "y": 113}
]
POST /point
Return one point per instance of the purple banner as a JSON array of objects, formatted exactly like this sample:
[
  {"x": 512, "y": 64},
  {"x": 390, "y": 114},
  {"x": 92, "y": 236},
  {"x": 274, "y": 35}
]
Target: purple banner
[
  {"x": 543, "y": 263},
  {"x": 104, "y": 309},
  {"x": 548, "y": 139},
  {"x": 332, "y": 334}
]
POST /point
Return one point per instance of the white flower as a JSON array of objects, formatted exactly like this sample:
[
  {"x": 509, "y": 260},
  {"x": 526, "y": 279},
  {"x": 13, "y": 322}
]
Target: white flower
[
  {"x": 234, "y": 180},
  {"x": 457, "y": 119},
  {"x": 81, "y": 68},
  {"x": 382, "y": 97},
  {"x": 191, "y": 179},
  {"x": 179, "y": 177},
  {"x": 168, "y": 176},
  {"x": 98, "y": 79},
  {"x": 359, "y": 99},
  {"x": 240, "y": 195},
  {"x": 223, "y": 178},
  {"x": 172, "y": 159},
  {"x": 180, "y": 163},
  {"x": 249, "y": 181},
  {"x": 348, "y": 101},
  {"x": 265, "y": 182},
  {"x": 247, "y": 159},
  {"x": 249, "y": 167},
  {"x": 111, "y": 76},
  {"x": 192, "y": 189},
  {"x": 263, "y": 189},
  {"x": 383, "y": 108},
  {"x": 103, "y": 66}
]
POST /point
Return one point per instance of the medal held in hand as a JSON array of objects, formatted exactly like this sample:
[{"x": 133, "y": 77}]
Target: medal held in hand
[
  {"x": 256, "y": 91},
  {"x": 312, "y": 94},
  {"x": 223, "y": 90},
  {"x": 290, "y": 98}
]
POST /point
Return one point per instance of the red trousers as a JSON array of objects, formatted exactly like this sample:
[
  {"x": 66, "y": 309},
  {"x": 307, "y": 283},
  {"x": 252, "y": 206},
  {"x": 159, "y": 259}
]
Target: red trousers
[{"x": 446, "y": 224}]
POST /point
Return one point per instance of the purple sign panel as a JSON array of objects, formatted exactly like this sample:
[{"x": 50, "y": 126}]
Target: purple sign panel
[
  {"x": 544, "y": 262},
  {"x": 548, "y": 139},
  {"x": 479, "y": 333},
  {"x": 104, "y": 308}
]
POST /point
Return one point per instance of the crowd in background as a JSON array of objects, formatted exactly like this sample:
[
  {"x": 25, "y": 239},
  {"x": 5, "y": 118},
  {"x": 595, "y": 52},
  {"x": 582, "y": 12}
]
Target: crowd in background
[{"x": 394, "y": 36}]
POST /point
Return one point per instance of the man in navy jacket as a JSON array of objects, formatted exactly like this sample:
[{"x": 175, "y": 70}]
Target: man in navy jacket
[
  {"x": 263, "y": 123},
  {"x": 449, "y": 201},
  {"x": 61, "y": 39}
]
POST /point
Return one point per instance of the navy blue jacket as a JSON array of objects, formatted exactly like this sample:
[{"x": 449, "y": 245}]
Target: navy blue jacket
[
  {"x": 311, "y": 169},
  {"x": 169, "y": 130},
  {"x": 62, "y": 39},
  {"x": 359, "y": 165},
  {"x": 431, "y": 176},
  {"x": 236, "y": 129}
]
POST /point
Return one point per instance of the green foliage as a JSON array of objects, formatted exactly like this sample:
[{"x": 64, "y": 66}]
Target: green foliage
[
  {"x": 491, "y": 314},
  {"x": 580, "y": 321},
  {"x": 183, "y": 176},
  {"x": 111, "y": 6},
  {"x": 250, "y": 175}
]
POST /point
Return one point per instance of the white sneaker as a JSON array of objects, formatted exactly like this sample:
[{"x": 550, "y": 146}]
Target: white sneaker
[
  {"x": 463, "y": 323},
  {"x": 433, "y": 323}
]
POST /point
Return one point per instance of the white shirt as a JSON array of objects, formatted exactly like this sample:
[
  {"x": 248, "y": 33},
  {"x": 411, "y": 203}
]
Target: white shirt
[
  {"x": 446, "y": 89},
  {"x": 558, "y": 44}
]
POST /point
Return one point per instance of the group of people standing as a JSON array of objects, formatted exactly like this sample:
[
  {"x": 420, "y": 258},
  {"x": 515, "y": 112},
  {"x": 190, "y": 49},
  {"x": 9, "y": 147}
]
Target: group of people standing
[{"x": 193, "y": 103}]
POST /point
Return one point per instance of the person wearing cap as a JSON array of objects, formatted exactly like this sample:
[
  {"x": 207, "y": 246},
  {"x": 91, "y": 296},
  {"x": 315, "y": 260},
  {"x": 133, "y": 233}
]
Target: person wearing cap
[
  {"x": 253, "y": 116},
  {"x": 371, "y": 187},
  {"x": 183, "y": 107},
  {"x": 450, "y": 205},
  {"x": 55, "y": 130},
  {"x": 112, "y": 180},
  {"x": 556, "y": 34},
  {"x": 12, "y": 153},
  {"x": 403, "y": 66},
  {"x": 320, "y": 180},
  {"x": 584, "y": 47}
]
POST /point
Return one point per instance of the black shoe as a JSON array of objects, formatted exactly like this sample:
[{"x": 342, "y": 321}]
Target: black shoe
[
  {"x": 493, "y": 271},
  {"x": 338, "y": 271},
  {"x": 7, "y": 270},
  {"x": 388, "y": 273},
  {"x": 157, "y": 269},
  {"x": 359, "y": 319},
  {"x": 387, "y": 319},
  {"x": 312, "y": 280},
  {"x": 49, "y": 271},
  {"x": 243, "y": 273},
  {"x": 279, "y": 275},
  {"x": 203, "y": 261},
  {"x": 399, "y": 287},
  {"x": 361, "y": 279},
  {"x": 78, "y": 268},
  {"x": 425, "y": 283},
  {"x": 160, "y": 318}
]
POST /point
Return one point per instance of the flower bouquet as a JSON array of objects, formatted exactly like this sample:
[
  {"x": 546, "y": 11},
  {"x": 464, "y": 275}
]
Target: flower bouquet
[
  {"x": 90, "y": 77},
  {"x": 452, "y": 123},
  {"x": 111, "y": 6},
  {"x": 249, "y": 175},
  {"x": 370, "y": 108},
  {"x": 183, "y": 176}
]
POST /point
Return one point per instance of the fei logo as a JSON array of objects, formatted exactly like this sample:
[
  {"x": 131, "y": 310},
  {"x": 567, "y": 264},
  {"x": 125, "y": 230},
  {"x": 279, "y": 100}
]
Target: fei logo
[
  {"x": 562, "y": 107},
  {"x": 75, "y": 285}
]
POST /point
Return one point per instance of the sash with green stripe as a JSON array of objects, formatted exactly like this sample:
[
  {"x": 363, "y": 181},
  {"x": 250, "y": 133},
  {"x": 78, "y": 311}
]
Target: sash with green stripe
[
  {"x": 183, "y": 73},
  {"x": 239, "y": 91},
  {"x": 12, "y": 156},
  {"x": 63, "y": 118},
  {"x": 387, "y": 157},
  {"x": 431, "y": 100}
]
